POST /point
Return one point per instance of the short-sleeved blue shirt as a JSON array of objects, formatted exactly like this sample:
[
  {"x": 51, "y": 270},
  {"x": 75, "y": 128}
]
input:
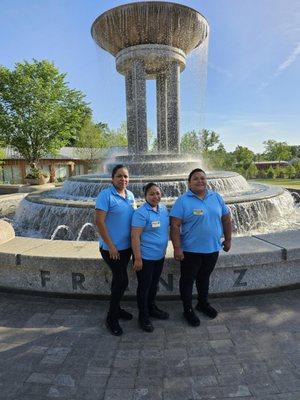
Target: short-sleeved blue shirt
[
  {"x": 201, "y": 229},
  {"x": 155, "y": 235},
  {"x": 118, "y": 218}
]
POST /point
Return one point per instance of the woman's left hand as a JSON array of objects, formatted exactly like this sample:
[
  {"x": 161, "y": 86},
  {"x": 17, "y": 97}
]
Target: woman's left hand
[
  {"x": 226, "y": 245},
  {"x": 138, "y": 265}
]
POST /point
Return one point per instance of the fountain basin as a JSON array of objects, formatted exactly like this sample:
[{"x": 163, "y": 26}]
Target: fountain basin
[{"x": 75, "y": 268}]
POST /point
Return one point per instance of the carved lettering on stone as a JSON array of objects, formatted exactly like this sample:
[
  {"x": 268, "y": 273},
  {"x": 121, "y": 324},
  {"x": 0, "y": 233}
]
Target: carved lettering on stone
[
  {"x": 77, "y": 281},
  {"x": 167, "y": 285},
  {"x": 45, "y": 277},
  {"x": 239, "y": 280}
]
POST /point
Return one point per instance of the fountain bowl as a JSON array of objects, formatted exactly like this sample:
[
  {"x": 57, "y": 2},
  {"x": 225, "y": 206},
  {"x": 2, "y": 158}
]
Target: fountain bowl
[{"x": 150, "y": 22}]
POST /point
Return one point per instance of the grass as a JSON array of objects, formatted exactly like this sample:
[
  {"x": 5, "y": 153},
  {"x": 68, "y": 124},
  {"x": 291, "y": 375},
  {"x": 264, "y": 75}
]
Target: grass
[{"x": 286, "y": 183}]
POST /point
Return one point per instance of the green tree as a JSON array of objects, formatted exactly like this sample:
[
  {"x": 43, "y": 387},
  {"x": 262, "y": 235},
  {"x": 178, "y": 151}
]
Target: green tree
[
  {"x": 262, "y": 174},
  {"x": 91, "y": 142},
  {"x": 277, "y": 151},
  {"x": 117, "y": 137},
  {"x": 154, "y": 146},
  {"x": 190, "y": 143},
  {"x": 199, "y": 142},
  {"x": 208, "y": 139},
  {"x": 296, "y": 165},
  {"x": 271, "y": 173},
  {"x": 251, "y": 171},
  {"x": 290, "y": 171},
  {"x": 39, "y": 113},
  {"x": 217, "y": 158},
  {"x": 295, "y": 151},
  {"x": 2, "y": 155},
  {"x": 244, "y": 157}
]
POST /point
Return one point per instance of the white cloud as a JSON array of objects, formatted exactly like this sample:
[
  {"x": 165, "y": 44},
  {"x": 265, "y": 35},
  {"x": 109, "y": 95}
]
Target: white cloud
[
  {"x": 220, "y": 70},
  {"x": 289, "y": 61},
  {"x": 284, "y": 65}
]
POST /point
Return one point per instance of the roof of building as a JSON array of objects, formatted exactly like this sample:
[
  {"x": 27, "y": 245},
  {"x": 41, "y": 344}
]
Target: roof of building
[
  {"x": 70, "y": 153},
  {"x": 270, "y": 162}
]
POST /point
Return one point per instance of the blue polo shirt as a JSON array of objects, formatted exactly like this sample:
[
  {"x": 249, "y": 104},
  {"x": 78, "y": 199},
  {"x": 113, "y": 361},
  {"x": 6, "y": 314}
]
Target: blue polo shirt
[
  {"x": 155, "y": 235},
  {"x": 201, "y": 229},
  {"x": 118, "y": 218}
]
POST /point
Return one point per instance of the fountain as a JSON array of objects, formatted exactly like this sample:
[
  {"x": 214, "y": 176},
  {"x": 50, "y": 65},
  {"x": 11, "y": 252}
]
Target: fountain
[{"x": 149, "y": 40}]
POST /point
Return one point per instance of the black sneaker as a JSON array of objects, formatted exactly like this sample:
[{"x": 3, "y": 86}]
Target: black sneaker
[
  {"x": 191, "y": 317},
  {"x": 155, "y": 312},
  {"x": 145, "y": 325},
  {"x": 113, "y": 326},
  {"x": 125, "y": 315},
  {"x": 207, "y": 309}
]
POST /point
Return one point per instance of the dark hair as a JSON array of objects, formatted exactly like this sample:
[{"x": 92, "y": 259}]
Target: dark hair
[
  {"x": 147, "y": 187},
  {"x": 115, "y": 169},
  {"x": 194, "y": 171}
]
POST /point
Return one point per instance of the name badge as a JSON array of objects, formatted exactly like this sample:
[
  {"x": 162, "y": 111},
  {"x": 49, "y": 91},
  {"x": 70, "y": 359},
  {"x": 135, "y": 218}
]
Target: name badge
[
  {"x": 198, "y": 211},
  {"x": 155, "y": 224}
]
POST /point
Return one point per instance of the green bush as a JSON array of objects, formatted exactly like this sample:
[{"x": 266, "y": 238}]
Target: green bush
[
  {"x": 271, "y": 173},
  {"x": 252, "y": 171},
  {"x": 262, "y": 174},
  {"x": 281, "y": 173},
  {"x": 290, "y": 171}
]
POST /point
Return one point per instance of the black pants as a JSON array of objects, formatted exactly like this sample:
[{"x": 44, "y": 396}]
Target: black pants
[
  {"x": 196, "y": 267},
  {"x": 119, "y": 281},
  {"x": 148, "y": 278}
]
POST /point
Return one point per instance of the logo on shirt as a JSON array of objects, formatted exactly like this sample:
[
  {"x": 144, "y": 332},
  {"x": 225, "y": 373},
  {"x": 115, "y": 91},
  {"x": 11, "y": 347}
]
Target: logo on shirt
[
  {"x": 198, "y": 211},
  {"x": 155, "y": 224}
]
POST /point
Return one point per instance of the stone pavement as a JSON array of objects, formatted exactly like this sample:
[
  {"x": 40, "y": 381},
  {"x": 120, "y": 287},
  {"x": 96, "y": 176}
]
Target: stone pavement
[{"x": 58, "y": 348}]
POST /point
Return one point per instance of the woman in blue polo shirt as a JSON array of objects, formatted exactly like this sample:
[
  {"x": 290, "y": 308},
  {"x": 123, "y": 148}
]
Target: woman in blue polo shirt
[
  {"x": 149, "y": 238},
  {"x": 199, "y": 221},
  {"x": 114, "y": 209}
]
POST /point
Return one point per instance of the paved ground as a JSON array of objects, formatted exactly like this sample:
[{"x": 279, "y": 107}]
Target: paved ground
[{"x": 59, "y": 348}]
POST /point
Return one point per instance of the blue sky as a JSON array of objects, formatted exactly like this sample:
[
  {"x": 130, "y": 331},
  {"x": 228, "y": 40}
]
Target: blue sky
[{"x": 253, "y": 85}]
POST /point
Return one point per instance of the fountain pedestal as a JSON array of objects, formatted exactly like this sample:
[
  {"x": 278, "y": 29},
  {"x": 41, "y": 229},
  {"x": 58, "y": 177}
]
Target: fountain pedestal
[{"x": 151, "y": 40}]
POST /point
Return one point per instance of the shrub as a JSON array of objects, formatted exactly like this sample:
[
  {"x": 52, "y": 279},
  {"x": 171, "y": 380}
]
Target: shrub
[
  {"x": 271, "y": 173},
  {"x": 290, "y": 171},
  {"x": 262, "y": 174}
]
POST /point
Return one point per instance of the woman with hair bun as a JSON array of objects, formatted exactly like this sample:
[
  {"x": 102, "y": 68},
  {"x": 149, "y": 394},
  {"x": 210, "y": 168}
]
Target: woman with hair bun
[{"x": 149, "y": 239}]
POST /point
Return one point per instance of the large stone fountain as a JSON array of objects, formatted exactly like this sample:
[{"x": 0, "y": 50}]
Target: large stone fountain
[{"x": 149, "y": 40}]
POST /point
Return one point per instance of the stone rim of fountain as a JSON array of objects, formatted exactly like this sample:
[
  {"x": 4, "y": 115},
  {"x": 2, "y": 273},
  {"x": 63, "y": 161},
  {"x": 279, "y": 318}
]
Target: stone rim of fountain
[
  {"x": 262, "y": 192},
  {"x": 141, "y": 4}
]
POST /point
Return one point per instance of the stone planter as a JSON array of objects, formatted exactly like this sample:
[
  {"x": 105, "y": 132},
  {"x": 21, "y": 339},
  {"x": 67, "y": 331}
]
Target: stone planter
[{"x": 37, "y": 181}]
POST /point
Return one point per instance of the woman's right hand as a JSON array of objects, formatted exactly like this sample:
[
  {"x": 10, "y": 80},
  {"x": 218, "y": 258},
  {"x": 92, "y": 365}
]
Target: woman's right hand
[
  {"x": 113, "y": 253},
  {"x": 138, "y": 264},
  {"x": 178, "y": 254}
]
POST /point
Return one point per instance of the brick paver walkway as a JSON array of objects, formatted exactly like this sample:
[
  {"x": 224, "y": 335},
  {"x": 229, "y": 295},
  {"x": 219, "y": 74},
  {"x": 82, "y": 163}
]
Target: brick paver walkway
[{"x": 59, "y": 348}]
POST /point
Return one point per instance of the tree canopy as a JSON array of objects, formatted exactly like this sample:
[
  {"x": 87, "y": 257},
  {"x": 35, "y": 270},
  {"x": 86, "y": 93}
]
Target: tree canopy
[
  {"x": 90, "y": 141},
  {"x": 277, "y": 151},
  {"x": 244, "y": 157},
  {"x": 39, "y": 113},
  {"x": 199, "y": 142}
]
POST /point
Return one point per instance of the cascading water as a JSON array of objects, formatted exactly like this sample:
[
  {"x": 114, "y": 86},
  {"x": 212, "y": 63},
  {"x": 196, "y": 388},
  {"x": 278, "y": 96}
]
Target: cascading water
[{"x": 254, "y": 208}]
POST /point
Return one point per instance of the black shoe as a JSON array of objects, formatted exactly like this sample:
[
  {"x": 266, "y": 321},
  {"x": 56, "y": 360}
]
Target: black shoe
[
  {"x": 207, "y": 309},
  {"x": 155, "y": 312},
  {"x": 125, "y": 315},
  {"x": 191, "y": 317},
  {"x": 113, "y": 326},
  {"x": 146, "y": 325}
]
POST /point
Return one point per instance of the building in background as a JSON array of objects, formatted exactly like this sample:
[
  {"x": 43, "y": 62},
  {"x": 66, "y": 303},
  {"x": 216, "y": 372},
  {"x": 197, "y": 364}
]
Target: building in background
[{"x": 68, "y": 162}]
